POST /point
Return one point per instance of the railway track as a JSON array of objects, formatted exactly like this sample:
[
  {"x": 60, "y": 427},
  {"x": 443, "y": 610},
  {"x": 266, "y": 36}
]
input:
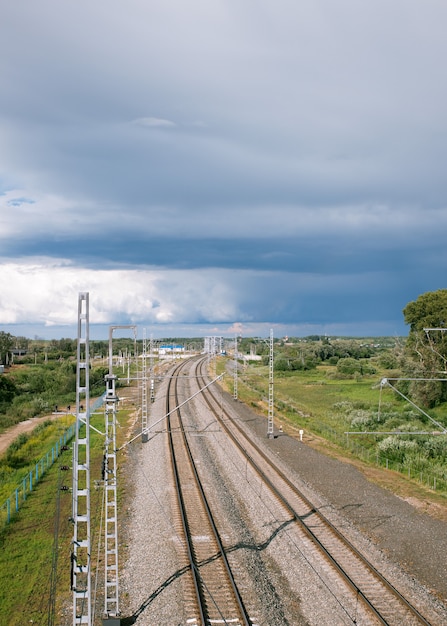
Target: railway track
[
  {"x": 214, "y": 597},
  {"x": 381, "y": 602}
]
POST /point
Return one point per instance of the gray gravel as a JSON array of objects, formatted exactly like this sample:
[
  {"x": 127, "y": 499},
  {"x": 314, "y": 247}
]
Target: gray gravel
[
  {"x": 410, "y": 537},
  {"x": 283, "y": 583}
]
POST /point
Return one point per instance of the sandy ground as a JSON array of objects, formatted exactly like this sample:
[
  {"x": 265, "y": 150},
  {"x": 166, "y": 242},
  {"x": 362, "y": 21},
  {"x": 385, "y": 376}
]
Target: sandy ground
[{"x": 7, "y": 437}]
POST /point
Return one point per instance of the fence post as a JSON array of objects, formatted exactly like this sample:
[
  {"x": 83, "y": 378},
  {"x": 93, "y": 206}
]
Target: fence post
[{"x": 35, "y": 472}]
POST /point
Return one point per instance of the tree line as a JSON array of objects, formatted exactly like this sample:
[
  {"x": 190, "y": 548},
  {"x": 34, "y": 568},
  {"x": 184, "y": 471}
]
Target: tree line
[{"x": 421, "y": 358}]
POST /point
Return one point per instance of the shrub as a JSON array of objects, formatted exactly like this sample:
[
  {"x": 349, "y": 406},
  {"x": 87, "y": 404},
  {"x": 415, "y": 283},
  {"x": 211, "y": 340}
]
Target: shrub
[
  {"x": 7, "y": 389},
  {"x": 348, "y": 366},
  {"x": 436, "y": 448},
  {"x": 396, "y": 448},
  {"x": 363, "y": 420},
  {"x": 17, "y": 443},
  {"x": 343, "y": 405}
]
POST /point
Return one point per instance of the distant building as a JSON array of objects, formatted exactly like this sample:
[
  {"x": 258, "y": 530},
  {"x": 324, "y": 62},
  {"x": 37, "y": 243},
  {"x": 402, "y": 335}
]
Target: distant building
[
  {"x": 18, "y": 352},
  {"x": 171, "y": 349}
]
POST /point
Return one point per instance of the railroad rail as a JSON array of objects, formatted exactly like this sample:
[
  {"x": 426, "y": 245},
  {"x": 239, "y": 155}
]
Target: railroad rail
[
  {"x": 381, "y": 599},
  {"x": 216, "y": 598}
]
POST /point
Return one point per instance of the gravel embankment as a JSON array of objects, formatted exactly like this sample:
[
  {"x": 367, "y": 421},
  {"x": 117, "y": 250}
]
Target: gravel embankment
[{"x": 285, "y": 586}]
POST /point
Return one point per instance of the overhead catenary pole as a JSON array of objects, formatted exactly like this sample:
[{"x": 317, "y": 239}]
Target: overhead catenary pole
[
  {"x": 270, "y": 409},
  {"x": 111, "y": 591},
  {"x": 151, "y": 368},
  {"x": 235, "y": 391},
  {"x": 144, "y": 437},
  {"x": 81, "y": 549}
]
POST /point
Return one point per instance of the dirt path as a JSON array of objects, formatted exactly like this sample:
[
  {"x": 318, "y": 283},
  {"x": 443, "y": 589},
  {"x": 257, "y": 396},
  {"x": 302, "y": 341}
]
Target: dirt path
[{"x": 7, "y": 437}]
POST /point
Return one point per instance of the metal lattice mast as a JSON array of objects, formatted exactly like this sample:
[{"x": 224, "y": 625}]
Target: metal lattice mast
[
  {"x": 214, "y": 353},
  {"x": 144, "y": 436},
  {"x": 270, "y": 412},
  {"x": 111, "y": 591},
  {"x": 151, "y": 367},
  {"x": 235, "y": 393},
  {"x": 81, "y": 550}
]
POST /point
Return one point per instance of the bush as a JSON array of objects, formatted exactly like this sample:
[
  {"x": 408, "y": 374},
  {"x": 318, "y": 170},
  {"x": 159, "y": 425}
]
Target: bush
[
  {"x": 436, "y": 448},
  {"x": 18, "y": 442},
  {"x": 388, "y": 360},
  {"x": 343, "y": 405},
  {"x": 7, "y": 389},
  {"x": 396, "y": 449},
  {"x": 348, "y": 366},
  {"x": 281, "y": 365},
  {"x": 363, "y": 420}
]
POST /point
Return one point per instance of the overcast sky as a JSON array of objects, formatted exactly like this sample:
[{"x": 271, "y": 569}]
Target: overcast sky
[{"x": 221, "y": 166}]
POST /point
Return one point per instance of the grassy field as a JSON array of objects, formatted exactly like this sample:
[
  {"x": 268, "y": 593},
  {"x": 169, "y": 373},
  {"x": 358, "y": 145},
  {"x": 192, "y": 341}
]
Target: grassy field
[
  {"x": 35, "y": 547},
  {"x": 21, "y": 456},
  {"x": 312, "y": 397},
  {"x": 333, "y": 409}
]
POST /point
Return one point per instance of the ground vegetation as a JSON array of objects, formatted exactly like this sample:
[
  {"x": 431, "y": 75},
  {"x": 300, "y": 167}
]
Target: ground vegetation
[{"x": 382, "y": 399}]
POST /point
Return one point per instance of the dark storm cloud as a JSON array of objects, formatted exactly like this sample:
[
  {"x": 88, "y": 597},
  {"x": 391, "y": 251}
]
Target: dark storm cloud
[{"x": 258, "y": 143}]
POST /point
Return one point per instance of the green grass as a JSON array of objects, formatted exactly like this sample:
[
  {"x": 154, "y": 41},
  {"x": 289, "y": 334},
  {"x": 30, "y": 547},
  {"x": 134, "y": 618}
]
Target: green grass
[
  {"x": 26, "y": 549},
  {"x": 27, "y": 543},
  {"x": 21, "y": 457},
  {"x": 315, "y": 394},
  {"x": 327, "y": 406}
]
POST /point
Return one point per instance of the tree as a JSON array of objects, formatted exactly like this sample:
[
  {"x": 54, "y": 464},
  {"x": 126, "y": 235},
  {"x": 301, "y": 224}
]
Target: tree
[
  {"x": 7, "y": 390},
  {"x": 426, "y": 349},
  {"x": 428, "y": 311},
  {"x": 6, "y": 343}
]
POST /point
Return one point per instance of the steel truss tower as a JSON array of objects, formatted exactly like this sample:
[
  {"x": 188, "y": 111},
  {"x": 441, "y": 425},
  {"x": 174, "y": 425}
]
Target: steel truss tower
[
  {"x": 111, "y": 591},
  {"x": 235, "y": 391},
  {"x": 144, "y": 435},
  {"x": 81, "y": 550},
  {"x": 151, "y": 366},
  {"x": 270, "y": 412}
]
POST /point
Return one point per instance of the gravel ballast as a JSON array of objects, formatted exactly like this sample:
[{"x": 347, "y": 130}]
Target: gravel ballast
[{"x": 397, "y": 532}]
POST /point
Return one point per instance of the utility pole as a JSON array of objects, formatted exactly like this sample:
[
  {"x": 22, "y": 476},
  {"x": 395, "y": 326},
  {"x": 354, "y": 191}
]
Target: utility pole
[{"x": 81, "y": 549}]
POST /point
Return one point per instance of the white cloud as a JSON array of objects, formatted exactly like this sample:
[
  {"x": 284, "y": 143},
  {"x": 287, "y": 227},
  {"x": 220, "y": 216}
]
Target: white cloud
[
  {"x": 153, "y": 122},
  {"x": 45, "y": 290}
]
